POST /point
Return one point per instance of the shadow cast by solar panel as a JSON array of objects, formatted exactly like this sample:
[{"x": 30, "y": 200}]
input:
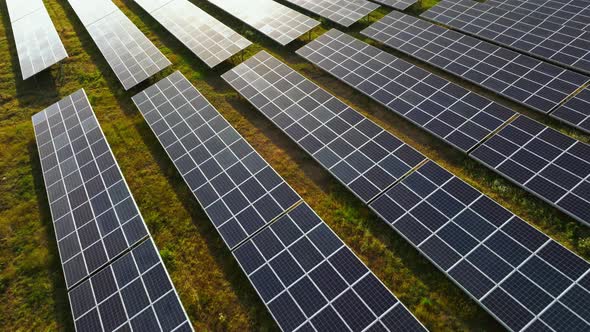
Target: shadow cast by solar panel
[
  {"x": 43, "y": 83},
  {"x": 61, "y": 307}
]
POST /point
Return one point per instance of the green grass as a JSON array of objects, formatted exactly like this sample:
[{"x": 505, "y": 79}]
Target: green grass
[{"x": 213, "y": 289}]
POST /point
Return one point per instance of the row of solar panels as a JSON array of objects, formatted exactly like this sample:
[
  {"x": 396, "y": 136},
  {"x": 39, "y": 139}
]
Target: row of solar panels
[
  {"x": 522, "y": 277},
  {"x": 134, "y": 58}
]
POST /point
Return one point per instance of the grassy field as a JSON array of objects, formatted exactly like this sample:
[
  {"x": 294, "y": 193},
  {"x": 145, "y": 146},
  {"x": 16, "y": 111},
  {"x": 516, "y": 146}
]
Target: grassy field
[{"x": 213, "y": 289}]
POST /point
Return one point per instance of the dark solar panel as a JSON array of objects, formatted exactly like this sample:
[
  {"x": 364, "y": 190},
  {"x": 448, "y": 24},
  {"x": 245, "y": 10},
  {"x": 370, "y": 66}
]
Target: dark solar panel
[
  {"x": 132, "y": 57},
  {"x": 209, "y": 39},
  {"x": 278, "y": 22},
  {"x": 509, "y": 267},
  {"x": 560, "y": 44},
  {"x": 37, "y": 43},
  {"x": 524, "y": 79},
  {"x": 545, "y": 162},
  {"x": 132, "y": 293},
  {"x": 94, "y": 215},
  {"x": 576, "y": 111},
  {"x": 343, "y": 12},
  {"x": 309, "y": 279},
  {"x": 355, "y": 150},
  {"x": 238, "y": 190},
  {"x": 459, "y": 117},
  {"x": 397, "y": 4}
]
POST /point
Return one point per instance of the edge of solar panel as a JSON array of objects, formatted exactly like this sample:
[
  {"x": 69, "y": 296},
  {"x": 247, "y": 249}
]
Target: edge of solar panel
[
  {"x": 463, "y": 257},
  {"x": 397, "y": 4},
  {"x": 307, "y": 321},
  {"x": 116, "y": 164},
  {"x": 565, "y": 113},
  {"x": 372, "y": 7},
  {"x": 365, "y": 32},
  {"x": 183, "y": 326},
  {"x": 154, "y": 10},
  {"x": 464, "y": 150},
  {"x": 317, "y": 160},
  {"x": 231, "y": 247}
]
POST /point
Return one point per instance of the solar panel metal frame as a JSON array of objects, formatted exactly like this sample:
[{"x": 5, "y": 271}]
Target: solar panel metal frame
[
  {"x": 100, "y": 173},
  {"x": 515, "y": 140},
  {"x": 329, "y": 274},
  {"x": 37, "y": 43},
  {"x": 347, "y": 58},
  {"x": 480, "y": 246},
  {"x": 126, "y": 292},
  {"x": 344, "y": 127},
  {"x": 277, "y": 24},
  {"x": 208, "y": 38},
  {"x": 576, "y": 111},
  {"x": 130, "y": 54},
  {"x": 521, "y": 78},
  {"x": 232, "y": 208},
  {"x": 555, "y": 43},
  {"x": 343, "y": 12},
  {"x": 397, "y": 4}
]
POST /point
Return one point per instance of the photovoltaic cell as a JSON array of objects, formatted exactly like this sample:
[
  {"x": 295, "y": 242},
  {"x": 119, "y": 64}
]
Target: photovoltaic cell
[
  {"x": 343, "y": 12},
  {"x": 514, "y": 271},
  {"x": 551, "y": 165},
  {"x": 564, "y": 45},
  {"x": 238, "y": 190},
  {"x": 576, "y": 111},
  {"x": 309, "y": 279},
  {"x": 531, "y": 82},
  {"x": 133, "y": 293},
  {"x": 459, "y": 117},
  {"x": 37, "y": 43},
  {"x": 280, "y": 23},
  {"x": 209, "y": 39},
  {"x": 397, "y": 4},
  {"x": 359, "y": 153},
  {"x": 571, "y": 13},
  {"x": 127, "y": 50},
  {"x": 94, "y": 215}
]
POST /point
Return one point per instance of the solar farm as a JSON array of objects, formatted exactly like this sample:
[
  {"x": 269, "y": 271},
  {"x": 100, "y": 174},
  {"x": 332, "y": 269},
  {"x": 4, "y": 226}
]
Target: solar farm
[{"x": 295, "y": 165}]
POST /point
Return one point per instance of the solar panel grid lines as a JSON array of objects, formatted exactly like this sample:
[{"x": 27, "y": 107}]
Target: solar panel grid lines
[
  {"x": 343, "y": 12},
  {"x": 309, "y": 279},
  {"x": 576, "y": 111},
  {"x": 37, "y": 43},
  {"x": 521, "y": 78},
  {"x": 239, "y": 191},
  {"x": 550, "y": 165},
  {"x": 397, "y": 4},
  {"x": 208, "y": 38},
  {"x": 132, "y": 293},
  {"x": 574, "y": 13},
  {"x": 359, "y": 153},
  {"x": 563, "y": 45},
  {"x": 130, "y": 54},
  {"x": 94, "y": 214},
  {"x": 280, "y": 23},
  {"x": 459, "y": 117},
  {"x": 515, "y": 272}
]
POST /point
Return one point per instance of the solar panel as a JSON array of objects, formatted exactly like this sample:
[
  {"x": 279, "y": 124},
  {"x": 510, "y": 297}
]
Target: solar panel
[
  {"x": 94, "y": 215},
  {"x": 518, "y": 274},
  {"x": 551, "y": 165},
  {"x": 127, "y": 50},
  {"x": 459, "y": 117},
  {"x": 209, "y": 39},
  {"x": 531, "y": 82},
  {"x": 563, "y": 45},
  {"x": 132, "y": 293},
  {"x": 238, "y": 190},
  {"x": 359, "y": 153},
  {"x": 280, "y": 23},
  {"x": 37, "y": 42},
  {"x": 302, "y": 271},
  {"x": 343, "y": 12},
  {"x": 571, "y": 13},
  {"x": 576, "y": 111},
  {"x": 397, "y": 4},
  {"x": 309, "y": 279}
]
